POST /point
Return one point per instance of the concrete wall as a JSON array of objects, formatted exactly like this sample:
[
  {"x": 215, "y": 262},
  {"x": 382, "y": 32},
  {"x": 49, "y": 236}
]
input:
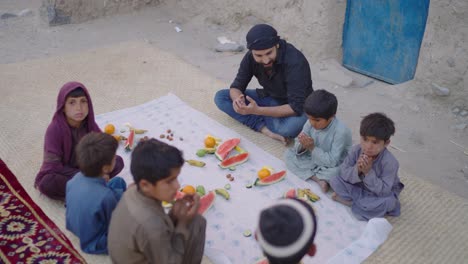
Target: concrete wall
[{"x": 59, "y": 12}]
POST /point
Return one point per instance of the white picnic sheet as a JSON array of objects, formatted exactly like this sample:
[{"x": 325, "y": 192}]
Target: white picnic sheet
[{"x": 340, "y": 237}]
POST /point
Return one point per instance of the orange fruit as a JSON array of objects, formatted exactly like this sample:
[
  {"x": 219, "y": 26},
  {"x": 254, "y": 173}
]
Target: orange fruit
[
  {"x": 210, "y": 142},
  {"x": 188, "y": 189},
  {"x": 263, "y": 173},
  {"x": 109, "y": 129}
]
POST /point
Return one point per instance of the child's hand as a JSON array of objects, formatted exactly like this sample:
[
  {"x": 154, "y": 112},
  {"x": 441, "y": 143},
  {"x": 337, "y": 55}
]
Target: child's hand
[
  {"x": 306, "y": 141},
  {"x": 185, "y": 209},
  {"x": 106, "y": 177},
  {"x": 364, "y": 164}
]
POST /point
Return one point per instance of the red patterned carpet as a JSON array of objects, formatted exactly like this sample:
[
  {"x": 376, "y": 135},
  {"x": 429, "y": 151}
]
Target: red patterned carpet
[{"x": 27, "y": 235}]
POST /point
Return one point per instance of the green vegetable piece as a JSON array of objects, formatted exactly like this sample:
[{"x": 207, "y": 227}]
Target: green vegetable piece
[
  {"x": 227, "y": 186},
  {"x": 247, "y": 233},
  {"x": 233, "y": 168},
  {"x": 201, "y": 152},
  {"x": 201, "y": 190},
  {"x": 249, "y": 185}
]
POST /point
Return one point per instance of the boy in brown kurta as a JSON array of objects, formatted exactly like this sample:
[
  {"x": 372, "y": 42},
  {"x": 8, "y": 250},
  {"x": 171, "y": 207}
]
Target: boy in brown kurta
[{"x": 140, "y": 230}]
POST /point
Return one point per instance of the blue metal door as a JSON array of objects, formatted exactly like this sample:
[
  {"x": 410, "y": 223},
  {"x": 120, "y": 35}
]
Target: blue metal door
[{"x": 382, "y": 38}]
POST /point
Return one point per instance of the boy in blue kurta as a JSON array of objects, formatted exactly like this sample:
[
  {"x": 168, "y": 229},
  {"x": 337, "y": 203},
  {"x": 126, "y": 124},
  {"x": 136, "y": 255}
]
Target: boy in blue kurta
[
  {"x": 368, "y": 180},
  {"x": 323, "y": 143},
  {"x": 90, "y": 196}
]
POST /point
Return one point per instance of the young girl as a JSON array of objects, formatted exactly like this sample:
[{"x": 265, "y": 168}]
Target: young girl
[{"x": 73, "y": 119}]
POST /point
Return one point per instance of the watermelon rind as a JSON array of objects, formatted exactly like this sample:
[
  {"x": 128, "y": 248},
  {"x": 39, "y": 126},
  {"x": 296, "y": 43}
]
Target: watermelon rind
[
  {"x": 234, "y": 160},
  {"x": 206, "y": 201},
  {"x": 274, "y": 178},
  {"x": 222, "y": 151}
]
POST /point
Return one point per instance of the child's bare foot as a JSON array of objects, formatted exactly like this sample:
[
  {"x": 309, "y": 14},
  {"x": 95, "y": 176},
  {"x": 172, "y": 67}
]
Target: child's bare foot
[
  {"x": 337, "y": 198},
  {"x": 323, "y": 184},
  {"x": 267, "y": 132}
]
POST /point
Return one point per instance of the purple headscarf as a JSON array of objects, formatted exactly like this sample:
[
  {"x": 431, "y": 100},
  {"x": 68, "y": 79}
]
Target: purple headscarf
[{"x": 58, "y": 137}]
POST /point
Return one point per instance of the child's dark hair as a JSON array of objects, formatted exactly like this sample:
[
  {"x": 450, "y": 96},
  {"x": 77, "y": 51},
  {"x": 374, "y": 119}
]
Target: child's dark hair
[
  {"x": 321, "y": 104},
  {"x": 286, "y": 231},
  {"x": 77, "y": 92},
  {"x": 94, "y": 151},
  {"x": 377, "y": 125},
  {"x": 152, "y": 160}
]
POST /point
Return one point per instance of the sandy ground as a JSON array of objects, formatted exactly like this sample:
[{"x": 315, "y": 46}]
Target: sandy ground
[{"x": 430, "y": 140}]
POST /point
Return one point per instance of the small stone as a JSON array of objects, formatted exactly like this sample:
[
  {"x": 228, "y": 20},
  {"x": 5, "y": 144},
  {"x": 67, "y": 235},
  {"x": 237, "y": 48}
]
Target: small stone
[
  {"x": 464, "y": 113},
  {"x": 168, "y": 131},
  {"x": 414, "y": 108},
  {"x": 7, "y": 15},
  {"x": 228, "y": 176},
  {"x": 456, "y": 110},
  {"x": 439, "y": 90},
  {"x": 25, "y": 12},
  {"x": 460, "y": 127},
  {"x": 229, "y": 47},
  {"x": 162, "y": 136},
  {"x": 181, "y": 139},
  {"x": 451, "y": 62},
  {"x": 465, "y": 172},
  {"x": 231, "y": 179}
]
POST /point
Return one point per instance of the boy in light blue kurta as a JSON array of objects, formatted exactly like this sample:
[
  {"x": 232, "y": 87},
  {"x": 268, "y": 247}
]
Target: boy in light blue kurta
[
  {"x": 90, "y": 199},
  {"x": 368, "y": 180},
  {"x": 323, "y": 143}
]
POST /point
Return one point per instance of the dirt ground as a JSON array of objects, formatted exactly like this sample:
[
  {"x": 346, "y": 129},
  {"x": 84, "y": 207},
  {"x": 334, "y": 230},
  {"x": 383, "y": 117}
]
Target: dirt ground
[{"x": 431, "y": 140}]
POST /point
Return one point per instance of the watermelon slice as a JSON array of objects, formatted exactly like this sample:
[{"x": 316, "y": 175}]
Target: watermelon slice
[
  {"x": 234, "y": 160},
  {"x": 274, "y": 178},
  {"x": 129, "y": 143},
  {"x": 262, "y": 261},
  {"x": 206, "y": 201},
  {"x": 290, "y": 194},
  {"x": 223, "y": 150},
  {"x": 179, "y": 195}
]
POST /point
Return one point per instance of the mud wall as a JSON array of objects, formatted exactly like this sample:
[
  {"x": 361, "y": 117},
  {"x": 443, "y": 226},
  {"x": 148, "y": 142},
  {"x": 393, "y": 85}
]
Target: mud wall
[
  {"x": 58, "y": 12},
  {"x": 316, "y": 28}
]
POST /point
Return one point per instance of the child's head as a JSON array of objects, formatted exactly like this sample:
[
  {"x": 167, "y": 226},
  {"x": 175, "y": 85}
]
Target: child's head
[
  {"x": 286, "y": 231},
  {"x": 76, "y": 107},
  {"x": 376, "y": 130},
  {"x": 155, "y": 168},
  {"x": 95, "y": 154},
  {"x": 320, "y": 107}
]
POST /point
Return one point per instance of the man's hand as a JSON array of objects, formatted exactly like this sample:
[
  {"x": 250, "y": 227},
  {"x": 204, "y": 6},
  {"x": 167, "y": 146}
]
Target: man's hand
[
  {"x": 245, "y": 109},
  {"x": 306, "y": 141},
  {"x": 364, "y": 164},
  {"x": 238, "y": 103}
]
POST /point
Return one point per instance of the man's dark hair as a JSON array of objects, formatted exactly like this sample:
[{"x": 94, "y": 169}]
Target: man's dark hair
[
  {"x": 377, "y": 125},
  {"x": 94, "y": 151},
  {"x": 153, "y": 160},
  {"x": 78, "y": 92},
  {"x": 321, "y": 104}
]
